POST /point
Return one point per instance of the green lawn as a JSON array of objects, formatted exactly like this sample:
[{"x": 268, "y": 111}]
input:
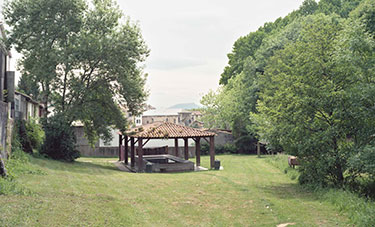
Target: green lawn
[{"x": 92, "y": 192}]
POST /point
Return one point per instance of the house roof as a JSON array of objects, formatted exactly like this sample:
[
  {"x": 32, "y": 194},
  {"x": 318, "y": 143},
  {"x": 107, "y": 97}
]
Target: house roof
[
  {"x": 165, "y": 130},
  {"x": 28, "y": 98}
]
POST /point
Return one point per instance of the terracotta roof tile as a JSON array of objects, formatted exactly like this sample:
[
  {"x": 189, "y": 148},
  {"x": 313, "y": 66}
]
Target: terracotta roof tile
[{"x": 164, "y": 130}]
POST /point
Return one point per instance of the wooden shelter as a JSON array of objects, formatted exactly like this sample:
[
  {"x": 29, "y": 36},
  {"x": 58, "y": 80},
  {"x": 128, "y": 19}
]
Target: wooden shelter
[{"x": 163, "y": 130}]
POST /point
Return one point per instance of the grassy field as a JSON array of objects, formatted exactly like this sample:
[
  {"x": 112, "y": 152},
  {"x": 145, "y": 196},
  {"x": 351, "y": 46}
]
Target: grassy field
[{"x": 92, "y": 192}]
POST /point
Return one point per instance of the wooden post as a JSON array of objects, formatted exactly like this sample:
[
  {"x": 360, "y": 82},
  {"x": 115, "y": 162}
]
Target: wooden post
[
  {"x": 212, "y": 151},
  {"x": 132, "y": 153},
  {"x": 258, "y": 149},
  {"x": 120, "y": 148},
  {"x": 198, "y": 151},
  {"x": 186, "y": 148},
  {"x": 140, "y": 155},
  {"x": 126, "y": 150},
  {"x": 176, "y": 147}
]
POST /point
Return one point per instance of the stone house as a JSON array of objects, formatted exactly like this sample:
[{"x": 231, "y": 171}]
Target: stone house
[
  {"x": 184, "y": 117},
  {"x": 25, "y": 107},
  {"x": 6, "y": 97}
]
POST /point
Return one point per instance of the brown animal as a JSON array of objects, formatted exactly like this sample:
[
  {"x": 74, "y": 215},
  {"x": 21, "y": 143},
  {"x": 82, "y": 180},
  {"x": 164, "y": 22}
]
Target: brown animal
[{"x": 293, "y": 161}]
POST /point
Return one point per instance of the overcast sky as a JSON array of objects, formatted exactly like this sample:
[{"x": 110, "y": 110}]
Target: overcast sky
[{"x": 190, "y": 40}]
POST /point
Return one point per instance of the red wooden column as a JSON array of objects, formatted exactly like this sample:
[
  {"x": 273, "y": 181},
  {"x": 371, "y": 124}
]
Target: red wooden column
[
  {"x": 186, "y": 148},
  {"x": 120, "y": 148},
  {"x": 212, "y": 151},
  {"x": 132, "y": 153},
  {"x": 198, "y": 151},
  {"x": 140, "y": 155},
  {"x": 126, "y": 150},
  {"x": 176, "y": 147}
]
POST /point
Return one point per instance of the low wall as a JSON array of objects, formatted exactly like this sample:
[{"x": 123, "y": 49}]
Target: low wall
[
  {"x": 88, "y": 151},
  {"x": 3, "y": 129}
]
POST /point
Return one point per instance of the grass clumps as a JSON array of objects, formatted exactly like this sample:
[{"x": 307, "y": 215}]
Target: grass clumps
[
  {"x": 18, "y": 164},
  {"x": 359, "y": 208},
  {"x": 281, "y": 162}
]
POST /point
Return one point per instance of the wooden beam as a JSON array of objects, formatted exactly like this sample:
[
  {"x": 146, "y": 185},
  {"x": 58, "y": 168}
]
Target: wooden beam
[
  {"x": 126, "y": 150},
  {"x": 176, "y": 147},
  {"x": 206, "y": 140},
  {"x": 120, "y": 156},
  {"x": 258, "y": 149},
  {"x": 198, "y": 151},
  {"x": 132, "y": 152},
  {"x": 186, "y": 148},
  {"x": 145, "y": 142},
  {"x": 140, "y": 155},
  {"x": 212, "y": 151}
]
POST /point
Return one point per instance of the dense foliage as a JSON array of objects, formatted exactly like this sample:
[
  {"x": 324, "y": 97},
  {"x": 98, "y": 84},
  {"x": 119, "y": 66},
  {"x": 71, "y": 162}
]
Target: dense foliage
[
  {"x": 84, "y": 56},
  {"x": 17, "y": 164},
  {"x": 60, "y": 139},
  {"x": 35, "y": 133},
  {"x": 304, "y": 84}
]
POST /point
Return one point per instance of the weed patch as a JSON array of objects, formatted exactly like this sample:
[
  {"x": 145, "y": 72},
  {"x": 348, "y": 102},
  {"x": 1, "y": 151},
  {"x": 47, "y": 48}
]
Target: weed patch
[{"x": 360, "y": 210}]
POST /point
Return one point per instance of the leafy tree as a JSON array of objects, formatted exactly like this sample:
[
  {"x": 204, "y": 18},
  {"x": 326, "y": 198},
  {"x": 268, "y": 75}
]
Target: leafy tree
[
  {"x": 308, "y": 7},
  {"x": 29, "y": 86},
  {"x": 85, "y": 57},
  {"x": 340, "y": 7},
  {"x": 213, "y": 112},
  {"x": 315, "y": 98},
  {"x": 244, "y": 47},
  {"x": 365, "y": 13}
]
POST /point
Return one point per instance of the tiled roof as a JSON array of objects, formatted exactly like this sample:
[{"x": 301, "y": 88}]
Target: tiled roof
[{"x": 164, "y": 130}]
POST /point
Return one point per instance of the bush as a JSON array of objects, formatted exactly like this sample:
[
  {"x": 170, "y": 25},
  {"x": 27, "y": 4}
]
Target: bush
[
  {"x": 23, "y": 137},
  {"x": 15, "y": 165},
  {"x": 59, "y": 141},
  {"x": 34, "y": 133},
  {"x": 220, "y": 149},
  {"x": 246, "y": 144}
]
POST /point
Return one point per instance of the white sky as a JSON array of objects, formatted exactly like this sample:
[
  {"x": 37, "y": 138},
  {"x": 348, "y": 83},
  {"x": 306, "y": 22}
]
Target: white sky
[{"x": 190, "y": 40}]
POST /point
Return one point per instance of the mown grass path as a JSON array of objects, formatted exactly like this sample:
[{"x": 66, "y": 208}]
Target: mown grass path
[{"x": 92, "y": 192}]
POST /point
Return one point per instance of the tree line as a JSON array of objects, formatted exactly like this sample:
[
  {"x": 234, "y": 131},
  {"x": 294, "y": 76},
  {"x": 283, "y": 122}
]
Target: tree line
[{"x": 305, "y": 85}]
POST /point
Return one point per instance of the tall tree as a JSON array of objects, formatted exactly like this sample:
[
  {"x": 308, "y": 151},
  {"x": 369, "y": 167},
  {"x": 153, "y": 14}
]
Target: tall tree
[
  {"x": 85, "y": 57},
  {"x": 316, "y": 98},
  {"x": 29, "y": 86}
]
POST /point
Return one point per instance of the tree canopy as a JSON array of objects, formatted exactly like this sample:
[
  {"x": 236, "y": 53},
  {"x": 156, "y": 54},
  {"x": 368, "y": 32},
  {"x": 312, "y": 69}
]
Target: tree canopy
[
  {"x": 84, "y": 56},
  {"x": 304, "y": 84}
]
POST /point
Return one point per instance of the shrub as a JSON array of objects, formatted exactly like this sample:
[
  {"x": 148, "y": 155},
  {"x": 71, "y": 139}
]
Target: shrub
[
  {"x": 59, "y": 141},
  {"x": 219, "y": 149},
  {"x": 246, "y": 144},
  {"x": 23, "y": 138},
  {"x": 34, "y": 133},
  {"x": 15, "y": 165}
]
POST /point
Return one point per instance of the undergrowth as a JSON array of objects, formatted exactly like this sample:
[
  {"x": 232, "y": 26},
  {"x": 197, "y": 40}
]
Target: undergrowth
[
  {"x": 18, "y": 164},
  {"x": 359, "y": 209}
]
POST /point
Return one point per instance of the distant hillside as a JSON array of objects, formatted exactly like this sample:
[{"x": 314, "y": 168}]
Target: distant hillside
[{"x": 185, "y": 106}]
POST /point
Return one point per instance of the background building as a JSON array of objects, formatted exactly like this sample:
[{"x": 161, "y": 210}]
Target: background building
[{"x": 6, "y": 97}]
